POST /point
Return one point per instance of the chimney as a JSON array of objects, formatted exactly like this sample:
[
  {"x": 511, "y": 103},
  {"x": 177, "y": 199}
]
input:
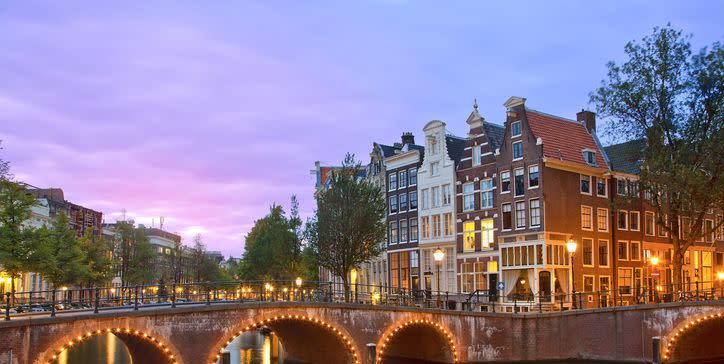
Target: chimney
[
  {"x": 588, "y": 118},
  {"x": 408, "y": 138}
]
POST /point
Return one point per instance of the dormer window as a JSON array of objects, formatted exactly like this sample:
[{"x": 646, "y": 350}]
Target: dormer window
[
  {"x": 590, "y": 157},
  {"x": 515, "y": 129}
]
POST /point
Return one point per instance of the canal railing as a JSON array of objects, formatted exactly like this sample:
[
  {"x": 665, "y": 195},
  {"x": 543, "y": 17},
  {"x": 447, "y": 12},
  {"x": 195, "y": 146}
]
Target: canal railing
[{"x": 63, "y": 300}]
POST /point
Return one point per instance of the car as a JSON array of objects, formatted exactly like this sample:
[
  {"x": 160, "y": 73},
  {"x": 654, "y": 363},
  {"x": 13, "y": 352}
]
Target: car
[
  {"x": 11, "y": 311},
  {"x": 37, "y": 309}
]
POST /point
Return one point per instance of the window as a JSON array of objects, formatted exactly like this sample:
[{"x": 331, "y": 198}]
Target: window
[
  {"x": 393, "y": 181},
  {"x": 660, "y": 227},
  {"x": 504, "y": 182},
  {"x": 448, "y": 221},
  {"x": 649, "y": 223},
  {"x": 633, "y": 188},
  {"x": 588, "y": 283},
  {"x": 588, "y": 252},
  {"x": 425, "y": 198},
  {"x": 414, "y": 259},
  {"x": 621, "y": 187},
  {"x": 520, "y": 215},
  {"x": 519, "y": 182},
  {"x": 413, "y": 230},
  {"x": 601, "y": 187},
  {"x": 435, "y": 226},
  {"x": 393, "y": 232},
  {"x": 476, "y": 155},
  {"x": 602, "y": 219},
  {"x": 433, "y": 145},
  {"x": 590, "y": 157},
  {"x": 625, "y": 281},
  {"x": 469, "y": 236},
  {"x": 534, "y": 212},
  {"x": 533, "y": 177},
  {"x": 634, "y": 220},
  {"x": 434, "y": 168},
  {"x": 446, "y": 196},
  {"x": 486, "y": 227},
  {"x": 486, "y": 186},
  {"x": 603, "y": 253},
  {"x": 413, "y": 176},
  {"x": 709, "y": 230},
  {"x": 468, "y": 197},
  {"x": 413, "y": 200},
  {"x": 604, "y": 284},
  {"x": 393, "y": 204},
  {"x": 515, "y": 129},
  {"x": 623, "y": 250},
  {"x": 403, "y": 179},
  {"x": 507, "y": 217},
  {"x": 586, "y": 184},
  {"x": 517, "y": 150},
  {"x": 435, "y": 194},
  {"x": 622, "y": 220},
  {"x": 425, "y": 227},
  {"x": 586, "y": 218},
  {"x": 635, "y": 250},
  {"x": 403, "y": 231},
  {"x": 403, "y": 202}
]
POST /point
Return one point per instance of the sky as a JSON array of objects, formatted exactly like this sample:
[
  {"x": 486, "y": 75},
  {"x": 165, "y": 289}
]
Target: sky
[{"x": 209, "y": 112}]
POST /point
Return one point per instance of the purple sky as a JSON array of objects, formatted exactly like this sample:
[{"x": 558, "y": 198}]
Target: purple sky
[{"x": 208, "y": 112}]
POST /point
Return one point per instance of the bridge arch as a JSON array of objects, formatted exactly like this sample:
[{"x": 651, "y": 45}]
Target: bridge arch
[
  {"x": 143, "y": 347},
  {"x": 292, "y": 331},
  {"x": 696, "y": 339},
  {"x": 418, "y": 339}
]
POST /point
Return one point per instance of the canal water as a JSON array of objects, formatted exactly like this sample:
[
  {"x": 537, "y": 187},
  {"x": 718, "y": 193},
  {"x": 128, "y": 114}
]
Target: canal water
[{"x": 256, "y": 348}]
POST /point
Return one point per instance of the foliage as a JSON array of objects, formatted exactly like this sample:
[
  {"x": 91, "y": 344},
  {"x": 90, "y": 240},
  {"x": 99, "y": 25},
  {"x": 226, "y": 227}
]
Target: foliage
[
  {"x": 4, "y": 167},
  {"x": 135, "y": 254},
  {"x": 272, "y": 247},
  {"x": 674, "y": 102},
  {"x": 349, "y": 222},
  {"x": 62, "y": 258},
  {"x": 18, "y": 242},
  {"x": 96, "y": 260}
]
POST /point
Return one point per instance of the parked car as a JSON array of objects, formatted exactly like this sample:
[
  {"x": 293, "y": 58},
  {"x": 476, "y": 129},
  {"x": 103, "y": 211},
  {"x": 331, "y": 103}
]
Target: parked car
[
  {"x": 12, "y": 310},
  {"x": 37, "y": 308}
]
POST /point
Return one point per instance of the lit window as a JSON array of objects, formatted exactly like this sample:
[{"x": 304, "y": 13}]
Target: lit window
[
  {"x": 469, "y": 236},
  {"x": 448, "y": 222},
  {"x": 586, "y": 217},
  {"x": 486, "y": 227},
  {"x": 602, "y": 219}
]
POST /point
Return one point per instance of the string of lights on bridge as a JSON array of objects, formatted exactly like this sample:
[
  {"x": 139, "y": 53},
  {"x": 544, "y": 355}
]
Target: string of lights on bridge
[
  {"x": 117, "y": 330},
  {"x": 670, "y": 342},
  {"x": 446, "y": 334},
  {"x": 346, "y": 340}
]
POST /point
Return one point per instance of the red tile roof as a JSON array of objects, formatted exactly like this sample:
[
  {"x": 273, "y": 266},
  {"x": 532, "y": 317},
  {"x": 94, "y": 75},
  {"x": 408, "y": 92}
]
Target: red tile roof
[{"x": 563, "y": 139}]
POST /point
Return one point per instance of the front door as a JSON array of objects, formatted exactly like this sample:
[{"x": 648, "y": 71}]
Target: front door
[{"x": 493, "y": 286}]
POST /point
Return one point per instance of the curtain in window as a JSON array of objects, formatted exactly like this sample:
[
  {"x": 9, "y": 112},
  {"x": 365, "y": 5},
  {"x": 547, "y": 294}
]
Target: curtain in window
[
  {"x": 510, "y": 277},
  {"x": 561, "y": 276}
]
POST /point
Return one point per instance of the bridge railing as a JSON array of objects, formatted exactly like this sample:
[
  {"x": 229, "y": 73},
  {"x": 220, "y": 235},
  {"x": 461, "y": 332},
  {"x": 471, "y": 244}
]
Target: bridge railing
[{"x": 135, "y": 297}]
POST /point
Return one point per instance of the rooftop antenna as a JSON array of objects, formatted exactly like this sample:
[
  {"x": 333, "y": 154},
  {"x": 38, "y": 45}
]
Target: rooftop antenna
[
  {"x": 160, "y": 222},
  {"x": 123, "y": 214}
]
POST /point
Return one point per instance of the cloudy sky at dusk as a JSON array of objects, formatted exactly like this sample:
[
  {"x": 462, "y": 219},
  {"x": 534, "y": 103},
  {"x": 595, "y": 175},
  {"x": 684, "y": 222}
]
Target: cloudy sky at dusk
[{"x": 207, "y": 112}]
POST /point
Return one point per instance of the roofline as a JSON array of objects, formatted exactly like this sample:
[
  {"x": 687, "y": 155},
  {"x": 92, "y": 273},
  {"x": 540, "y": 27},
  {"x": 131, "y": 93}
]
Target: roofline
[
  {"x": 555, "y": 116},
  {"x": 573, "y": 167}
]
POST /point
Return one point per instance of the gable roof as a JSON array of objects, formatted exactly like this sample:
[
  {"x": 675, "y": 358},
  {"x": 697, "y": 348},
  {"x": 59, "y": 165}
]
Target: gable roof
[
  {"x": 563, "y": 139},
  {"x": 626, "y": 157},
  {"x": 495, "y": 134},
  {"x": 455, "y": 146}
]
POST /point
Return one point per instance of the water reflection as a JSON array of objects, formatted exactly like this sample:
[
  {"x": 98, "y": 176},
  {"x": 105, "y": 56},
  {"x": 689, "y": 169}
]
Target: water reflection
[
  {"x": 253, "y": 348},
  {"x": 100, "y": 349}
]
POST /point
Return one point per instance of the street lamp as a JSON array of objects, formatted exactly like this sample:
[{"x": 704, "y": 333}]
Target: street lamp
[
  {"x": 720, "y": 277},
  {"x": 571, "y": 247},
  {"x": 439, "y": 255},
  {"x": 298, "y": 281},
  {"x": 654, "y": 273}
]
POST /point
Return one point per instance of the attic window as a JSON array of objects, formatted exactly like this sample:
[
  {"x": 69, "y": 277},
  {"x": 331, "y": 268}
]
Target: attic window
[
  {"x": 590, "y": 157},
  {"x": 515, "y": 129}
]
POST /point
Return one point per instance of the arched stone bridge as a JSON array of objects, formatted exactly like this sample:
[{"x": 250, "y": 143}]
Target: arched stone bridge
[{"x": 346, "y": 333}]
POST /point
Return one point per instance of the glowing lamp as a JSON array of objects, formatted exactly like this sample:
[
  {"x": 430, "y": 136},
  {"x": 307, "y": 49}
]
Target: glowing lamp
[
  {"x": 571, "y": 246},
  {"x": 438, "y": 255},
  {"x": 298, "y": 281}
]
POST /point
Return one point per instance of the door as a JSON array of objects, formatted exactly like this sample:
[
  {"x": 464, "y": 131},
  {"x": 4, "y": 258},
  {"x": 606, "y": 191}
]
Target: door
[{"x": 493, "y": 287}]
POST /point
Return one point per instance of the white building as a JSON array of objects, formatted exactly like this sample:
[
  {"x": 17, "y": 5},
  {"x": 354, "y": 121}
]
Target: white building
[{"x": 436, "y": 186}]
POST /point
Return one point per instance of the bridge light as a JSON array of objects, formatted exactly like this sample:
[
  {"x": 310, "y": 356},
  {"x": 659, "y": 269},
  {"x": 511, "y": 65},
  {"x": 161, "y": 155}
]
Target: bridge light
[
  {"x": 298, "y": 281},
  {"x": 720, "y": 276}
]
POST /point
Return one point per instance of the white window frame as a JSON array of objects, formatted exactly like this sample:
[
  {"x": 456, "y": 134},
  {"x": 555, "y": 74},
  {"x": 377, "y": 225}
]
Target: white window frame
[
  {"x": 608, "y": 221},
  {"x": 593, "y": 252},
  {"x": 618, "y": 250},
  {"x": 477, "y": 155},
  {"x": 653, "y": 223},
  {"x": 409, "y": 176},
  {"x": 516, "y": 215},
  {"x": 590, "y": 185},
  {"x": 608, "y": 253},
  {"x": 503, "y": 173},
  {"x": 537, "y": 171},
  {"x": 605, "y": 187},
  {"x": 502, "y": 217},
  {"x": 638, "y": 220},
  {"x": 515, "y": 186},
  {"x": 520, "y": 129},
  {"x": 590, "y": 220},
  {"x": 470, "y": 194},
  {"x": 512, "y": 150},
  {"x": 490, "y": 190},
  {"x": 626, "y": 219},
  {"x": 448, "y": 194},
  {"x": 530, "y": 207},
  {"x": 630, "y": 246},
  {"x": 593, "y": 278}
]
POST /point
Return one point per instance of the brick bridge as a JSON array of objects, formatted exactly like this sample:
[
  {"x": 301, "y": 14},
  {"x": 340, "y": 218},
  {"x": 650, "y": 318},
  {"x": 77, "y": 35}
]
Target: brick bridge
[{"x": 349, "y": 333}]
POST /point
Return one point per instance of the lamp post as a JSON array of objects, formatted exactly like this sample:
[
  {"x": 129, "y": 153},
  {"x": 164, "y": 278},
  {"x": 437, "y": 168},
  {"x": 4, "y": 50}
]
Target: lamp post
[
  {"x": 298, "y": 282},
  {"x": 654, "y": 274},
  {"x": 571, "y": 247},
  {"x": 438, "y": 255},
  {"x": 720, "y": 278}
]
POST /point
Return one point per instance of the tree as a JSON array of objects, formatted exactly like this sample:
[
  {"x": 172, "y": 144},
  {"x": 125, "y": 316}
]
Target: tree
[
  {"x": 141, "y": 259},
  {"x": 4, "y": 167},
  {"x": 96, "y": 260},
  {"x": 62, "y": 258},
  {"x": 674, "y": 102},
  {"x": 349, "y": 222},
  {"x": 18, "y": 242},
  {"x": 272, "y": 249}
]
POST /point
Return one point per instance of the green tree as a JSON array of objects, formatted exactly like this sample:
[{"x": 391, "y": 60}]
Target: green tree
[
  {"x": 140, "y": 265},
  {"x": 674, "y": 102},
  {"x": 349, "y": 222},
  {"x": 96, "y": 260},
  {"x": 4, "y": 166},
  {"x": 310, "y": 255},
  {"x": 62, "y": 257},
  {"x": 18, "y": 242},
  {"x": 271, "y": 248}
]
